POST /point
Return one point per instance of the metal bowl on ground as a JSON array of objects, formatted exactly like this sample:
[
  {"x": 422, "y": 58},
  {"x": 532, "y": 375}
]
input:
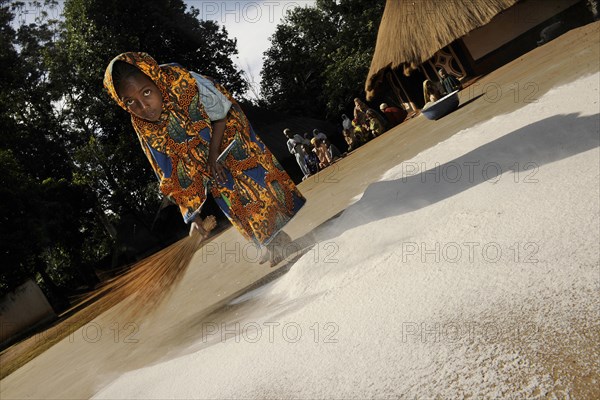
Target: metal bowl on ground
[{"x": 443, "y": 106}]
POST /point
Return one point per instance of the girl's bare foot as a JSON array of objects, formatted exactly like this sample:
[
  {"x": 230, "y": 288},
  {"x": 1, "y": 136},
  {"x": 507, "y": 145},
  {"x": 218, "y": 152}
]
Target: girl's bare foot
[{"x": 276, "y": 250}]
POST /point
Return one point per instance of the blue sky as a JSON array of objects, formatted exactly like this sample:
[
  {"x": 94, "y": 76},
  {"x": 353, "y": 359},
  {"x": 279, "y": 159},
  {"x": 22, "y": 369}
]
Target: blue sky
[{"x": 251, "y": 23}]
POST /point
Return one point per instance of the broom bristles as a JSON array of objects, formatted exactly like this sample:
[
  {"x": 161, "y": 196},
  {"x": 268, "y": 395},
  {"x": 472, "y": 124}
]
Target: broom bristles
[
  {"x": 150, "y": 281},
  {"x": 157, "y": 279}
]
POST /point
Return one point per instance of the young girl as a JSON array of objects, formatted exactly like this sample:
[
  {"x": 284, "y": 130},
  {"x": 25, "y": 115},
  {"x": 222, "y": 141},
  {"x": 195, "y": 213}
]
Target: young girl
[
  {"x": 431, "y": 93},
  {"x": 312, "y": 162},
  {"x": 321, "y": 150},
  {"x": 374, "y": 125},
  {"x": 198, "y": 140},
  {"x": 351, "y": 140}
]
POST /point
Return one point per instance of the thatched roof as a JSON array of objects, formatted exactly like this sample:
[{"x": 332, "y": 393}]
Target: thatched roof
[{"x": 411, "y": 31}]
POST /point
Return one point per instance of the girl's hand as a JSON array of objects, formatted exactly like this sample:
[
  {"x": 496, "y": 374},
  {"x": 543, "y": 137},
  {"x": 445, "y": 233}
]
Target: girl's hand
[
  {"x": 196, "y": 228},
  {"x": 216, "y": 169},
  {"x": 203, "y": 227}
]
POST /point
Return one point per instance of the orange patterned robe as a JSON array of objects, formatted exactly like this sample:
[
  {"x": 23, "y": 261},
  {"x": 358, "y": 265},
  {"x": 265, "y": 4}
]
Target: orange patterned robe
[{"x": 259, "y": 197}]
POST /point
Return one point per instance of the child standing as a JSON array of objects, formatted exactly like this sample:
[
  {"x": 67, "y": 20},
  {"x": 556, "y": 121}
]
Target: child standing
[
  {"x": 322, "y": 152},
  {"x": 312, "y": 162},
  {"x": 199, "y": 141}
]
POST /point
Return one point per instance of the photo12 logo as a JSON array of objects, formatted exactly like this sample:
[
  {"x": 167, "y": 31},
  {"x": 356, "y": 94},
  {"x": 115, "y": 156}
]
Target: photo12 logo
[
  {"x": 469, "y": 252},
  {"x": 245, "y": 11},
  {"x": 470, "y": 171},
  {"x": 467, "y": 332},
  {"x": 92, "y": 332},
  {"x": 236, "y": 252},
  {"x": 493, "y": 92},
  {"x": 271, "y": 332}
]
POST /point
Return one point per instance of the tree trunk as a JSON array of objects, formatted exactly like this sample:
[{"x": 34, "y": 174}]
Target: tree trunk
[{"x": 55, "y": 296}]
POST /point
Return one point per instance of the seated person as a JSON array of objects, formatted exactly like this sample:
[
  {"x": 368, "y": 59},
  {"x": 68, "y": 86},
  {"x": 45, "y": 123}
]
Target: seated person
[
  {"x": 346, "y": 122},
  {"x": 394, "y": 115},
  {"x": 359, "y": 132},
  {"x": 360, "y": 110},
  {"x": 431, "y": 93},
  {"x": 351, "y": 139},
  {"x": 318, "y": 134},
  {"x": 375, "y": 126},
  {"x": 334, "y": 153},
  {"x": 449, "y": 82}
]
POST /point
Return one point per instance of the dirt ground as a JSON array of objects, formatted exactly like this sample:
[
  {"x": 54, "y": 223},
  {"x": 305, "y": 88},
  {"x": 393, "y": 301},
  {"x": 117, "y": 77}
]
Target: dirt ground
[{"x": 90, "y": 356}]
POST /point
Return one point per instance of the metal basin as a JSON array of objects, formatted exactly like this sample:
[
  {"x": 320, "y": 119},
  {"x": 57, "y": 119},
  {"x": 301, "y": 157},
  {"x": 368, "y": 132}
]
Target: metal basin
[{"x": 443, "y": 106}]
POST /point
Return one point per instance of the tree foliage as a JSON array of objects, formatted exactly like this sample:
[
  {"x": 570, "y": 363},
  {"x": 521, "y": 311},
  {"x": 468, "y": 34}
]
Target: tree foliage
[
  {"x": 320, "y": 56},
  {"x": 41, "y": 207}
]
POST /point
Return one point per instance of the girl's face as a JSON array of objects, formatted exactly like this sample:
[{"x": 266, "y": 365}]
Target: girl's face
[{"x": 142, "y": 97}]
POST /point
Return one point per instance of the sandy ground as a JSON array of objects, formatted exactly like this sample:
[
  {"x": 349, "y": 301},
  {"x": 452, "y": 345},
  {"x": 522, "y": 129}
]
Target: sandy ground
[
  {"x": 468, "y": 283},
  {"x": 79, "y": 365}
]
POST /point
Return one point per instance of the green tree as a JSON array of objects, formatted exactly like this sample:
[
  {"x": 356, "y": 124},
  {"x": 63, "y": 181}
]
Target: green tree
[
  {"x": 320, "y": 56},
  {"x": 348, "y": 66},
  {"x": 42, "y": 211},
  {"x": 292, "y": 75},
  {"x": 17, "y": 229}
]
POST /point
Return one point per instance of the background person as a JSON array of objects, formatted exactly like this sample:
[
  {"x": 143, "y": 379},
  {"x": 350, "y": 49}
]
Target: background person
[
  {"x": 294, "y": 144},
  {"x": 449, "y": 82},
  {"x": 394, "y": 115},
  {"x": 431, "y": 92}
]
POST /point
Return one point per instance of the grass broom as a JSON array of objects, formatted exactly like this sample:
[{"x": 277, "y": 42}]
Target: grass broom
[{"x": 150, "y": 281}]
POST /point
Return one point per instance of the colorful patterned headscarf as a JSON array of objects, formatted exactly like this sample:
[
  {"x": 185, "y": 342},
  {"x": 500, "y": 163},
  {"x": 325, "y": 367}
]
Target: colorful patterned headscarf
[
  {"x": 179, "y": 141},
  {"x": 178, "y": 89}
]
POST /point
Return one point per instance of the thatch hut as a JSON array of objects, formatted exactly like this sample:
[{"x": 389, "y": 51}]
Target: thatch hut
[{"x": 466, "y": 37}]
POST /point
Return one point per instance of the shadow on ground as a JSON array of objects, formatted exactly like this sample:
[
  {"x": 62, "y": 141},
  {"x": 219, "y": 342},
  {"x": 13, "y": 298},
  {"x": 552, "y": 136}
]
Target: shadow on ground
[{"x": 520, "y": 152}]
